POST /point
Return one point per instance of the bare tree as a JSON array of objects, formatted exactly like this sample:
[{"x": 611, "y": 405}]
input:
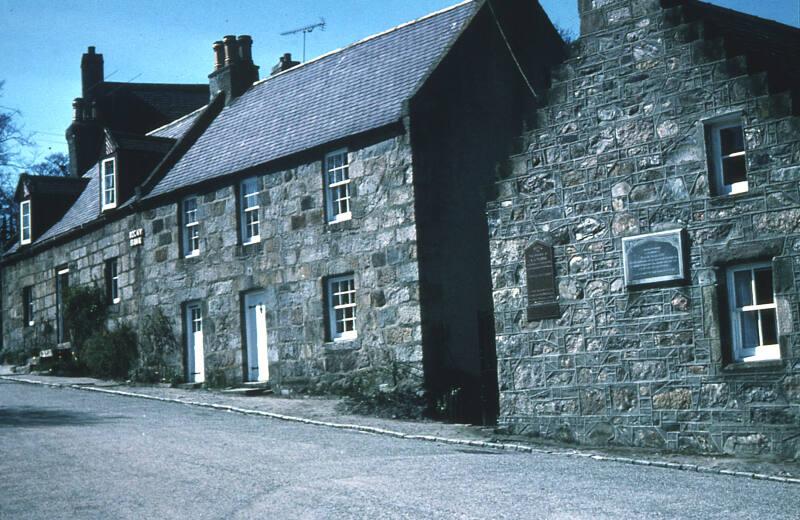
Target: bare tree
[
  {"x": 54, "y": 165},
  {"x": 12, "y": 140}
]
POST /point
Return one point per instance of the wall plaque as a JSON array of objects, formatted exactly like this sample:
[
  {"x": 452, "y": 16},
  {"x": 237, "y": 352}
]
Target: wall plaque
[
  {"x": 136, "y": 237},
  {"x": 540, "y": 277},
  {"x": 654, "y": 257}
]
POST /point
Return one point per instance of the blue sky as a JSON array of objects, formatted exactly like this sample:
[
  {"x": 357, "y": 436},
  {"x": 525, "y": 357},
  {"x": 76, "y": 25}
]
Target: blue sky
[{"x": 169, "y": 41}]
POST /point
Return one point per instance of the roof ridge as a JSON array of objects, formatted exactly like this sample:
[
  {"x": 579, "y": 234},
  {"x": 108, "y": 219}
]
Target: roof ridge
[
  {"x": 174, "y": 122},
  {"x": 742, "y": 14},
  {"x": 366, "y": 39}
]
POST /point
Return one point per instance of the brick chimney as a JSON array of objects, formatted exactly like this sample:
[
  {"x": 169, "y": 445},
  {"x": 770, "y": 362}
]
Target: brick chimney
[
  {"x": 284, "y": 63},
  {"x": 234, "y": 70},
  {"x": 84, "y": 138},
  {"x": 91, "y": 72},
  {"x": 599, "y": 15},
  {"x": 85, "y": 134}
]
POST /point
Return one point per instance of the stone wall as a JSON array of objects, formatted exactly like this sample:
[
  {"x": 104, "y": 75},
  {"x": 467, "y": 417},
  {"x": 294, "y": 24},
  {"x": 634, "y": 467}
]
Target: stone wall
[
  {"x": 619, "y": 150},
  {"x": 297, "y": 250}
]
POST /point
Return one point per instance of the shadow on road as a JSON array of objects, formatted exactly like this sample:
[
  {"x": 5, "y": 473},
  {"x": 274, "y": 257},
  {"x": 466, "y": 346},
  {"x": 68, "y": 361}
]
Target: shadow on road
[{"x": 29, "y": 416}]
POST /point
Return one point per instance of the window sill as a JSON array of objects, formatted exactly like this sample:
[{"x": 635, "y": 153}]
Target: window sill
[
  {"x": 193, "y": 254},
  {"x": 347, "y": 343},
  {"x": 746, "y": 367},
  {"x": 340, "y": 225}
]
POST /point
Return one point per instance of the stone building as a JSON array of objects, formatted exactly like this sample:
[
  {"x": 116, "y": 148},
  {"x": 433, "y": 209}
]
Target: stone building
[
  {"x": 645, "y": 243},
  {"x": 327, "y": 219}
]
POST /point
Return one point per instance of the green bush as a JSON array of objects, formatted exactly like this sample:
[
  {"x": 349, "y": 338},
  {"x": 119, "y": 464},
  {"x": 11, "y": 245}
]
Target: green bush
[
  {"x": 111, "y": 354},
  {"x": 159, "y": 351},
  {"x": 85, "y": 313}
]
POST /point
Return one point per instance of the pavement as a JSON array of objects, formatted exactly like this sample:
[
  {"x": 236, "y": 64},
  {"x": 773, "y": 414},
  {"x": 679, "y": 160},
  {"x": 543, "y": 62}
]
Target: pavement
[
  {"x": 93, "y": 454},
  {"x": 325, "y": 412}
]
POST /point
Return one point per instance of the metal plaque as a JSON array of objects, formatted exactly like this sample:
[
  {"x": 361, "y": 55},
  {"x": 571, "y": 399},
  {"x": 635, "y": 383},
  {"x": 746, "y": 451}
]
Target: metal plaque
[
  {"x": 541, "y": 282},
  {"x": 654, "y": 258}
]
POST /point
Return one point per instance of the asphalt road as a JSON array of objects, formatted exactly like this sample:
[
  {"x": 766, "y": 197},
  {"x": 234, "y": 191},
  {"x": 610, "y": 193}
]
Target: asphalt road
[{"x": 72, "y": 454}]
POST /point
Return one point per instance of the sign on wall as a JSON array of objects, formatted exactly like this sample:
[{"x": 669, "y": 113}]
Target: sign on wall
[
  {"x": 654, "y": 257},
  {"x": 541, "y": 282},
  {"x": 136, "y": 237}
]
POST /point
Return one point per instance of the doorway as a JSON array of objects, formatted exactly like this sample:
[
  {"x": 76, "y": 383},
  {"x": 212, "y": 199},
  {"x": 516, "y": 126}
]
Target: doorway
[
  {"x": 255, "y": 326},
  {"x": 195, "y": 358}
]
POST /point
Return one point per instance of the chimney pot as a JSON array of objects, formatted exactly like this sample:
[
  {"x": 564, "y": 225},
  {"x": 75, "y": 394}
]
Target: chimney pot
[
  {"x": 77, "y": 109},
  {"x": 219, "y": 55},
  {"x": 231, "y": 50},
  {"x": 245, "y": 48},
  {"x": 90, "y": 50}
]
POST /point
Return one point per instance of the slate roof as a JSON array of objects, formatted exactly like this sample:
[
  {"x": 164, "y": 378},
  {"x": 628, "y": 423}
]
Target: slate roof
[
  {"x": 177, "y": 128},
  {"x": 169, "y": 100},
  {"x": 85, "y": 209},
  {"x": 349, "y": 91},
  {"x": 142, "y": 143},
  {"x": 49, "y": 185},
  {"x": 356, "y": 89}
]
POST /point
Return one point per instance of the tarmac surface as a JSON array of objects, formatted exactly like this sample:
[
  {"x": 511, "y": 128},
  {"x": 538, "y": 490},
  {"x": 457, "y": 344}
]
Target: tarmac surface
[{"x": 76, "y": 454}]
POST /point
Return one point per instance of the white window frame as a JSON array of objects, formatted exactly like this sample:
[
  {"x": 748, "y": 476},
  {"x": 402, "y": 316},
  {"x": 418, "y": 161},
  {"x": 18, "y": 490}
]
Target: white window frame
[
  {"x": 191, "y": 228},
  {"x": 761, "y": 352},
  {"x": 108, "y": 195},
  {"x": 249, "y": 212},
  {"x": 112, "y": 267},
  {"x": 718, "y": 177},
  {"x": 27, "y": 306},
  {"x": 25, "y": 230},
  {"x": 338, "y": 311},
  {"x": 337, "y": 187}
]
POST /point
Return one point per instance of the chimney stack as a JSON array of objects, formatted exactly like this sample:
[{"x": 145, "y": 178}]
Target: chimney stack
[
  {"x": 91, "y": 72},
  {"x": 284, "y": 63},
  {"x": 234, "y": 71}
]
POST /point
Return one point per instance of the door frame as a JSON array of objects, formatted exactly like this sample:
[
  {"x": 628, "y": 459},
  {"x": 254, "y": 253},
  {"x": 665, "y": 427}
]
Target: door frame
[
  {"x": 244, "y": 335},
  {"x": 187, "y": 338}
]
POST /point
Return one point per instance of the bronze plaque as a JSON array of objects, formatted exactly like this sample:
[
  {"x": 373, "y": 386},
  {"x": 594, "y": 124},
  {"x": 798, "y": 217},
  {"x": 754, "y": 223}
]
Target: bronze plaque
[{"x": 540, "y": 277}]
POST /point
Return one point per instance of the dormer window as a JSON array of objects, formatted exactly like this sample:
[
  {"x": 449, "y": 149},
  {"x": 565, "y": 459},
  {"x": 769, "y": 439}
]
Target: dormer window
[
  {"x": 108, "y": 183},
  {"x": 25, "y": 222}
]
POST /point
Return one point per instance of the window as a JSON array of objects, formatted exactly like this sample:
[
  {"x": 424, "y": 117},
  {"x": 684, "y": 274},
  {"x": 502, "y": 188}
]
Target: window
[
  {"x": 337, "y": 186},
  {"x": 25, "y": 222},
  {"x": 191, "y": 227},
  {"x": 27, "y": 306},
  {"x": 341, "y": 307},
  {"x": 249, "y": 211},
  {"x": 727, "y": 162},
  {"x": 112, "y": 280},
  {"x": 751, "y": 303},
  {"x": 108, "y": 184}
]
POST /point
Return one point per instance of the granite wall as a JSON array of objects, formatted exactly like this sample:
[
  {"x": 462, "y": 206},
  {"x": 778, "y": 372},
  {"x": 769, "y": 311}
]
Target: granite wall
[
  {"x": 619, "y": 150},
  {"x": 298, "y": 249}
]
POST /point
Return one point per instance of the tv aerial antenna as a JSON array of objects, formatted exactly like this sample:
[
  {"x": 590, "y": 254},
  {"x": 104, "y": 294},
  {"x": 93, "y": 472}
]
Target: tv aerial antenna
[{"x": 306, "y": 30}]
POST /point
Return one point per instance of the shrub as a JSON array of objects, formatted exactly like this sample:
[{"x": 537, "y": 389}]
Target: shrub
[
  {"x": 159, "y": 351},
  {"x": 85, "y": 312},
  {"x": 110, "y": 354}
]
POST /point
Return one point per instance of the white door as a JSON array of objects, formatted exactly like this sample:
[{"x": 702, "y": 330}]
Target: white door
[
  {"x": 195, "y": 359},
  {"x": 255, "y": 318}
]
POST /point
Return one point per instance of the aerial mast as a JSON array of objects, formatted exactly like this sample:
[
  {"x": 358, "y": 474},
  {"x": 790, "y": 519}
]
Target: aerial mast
[{"x": 306, "y": 30}]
